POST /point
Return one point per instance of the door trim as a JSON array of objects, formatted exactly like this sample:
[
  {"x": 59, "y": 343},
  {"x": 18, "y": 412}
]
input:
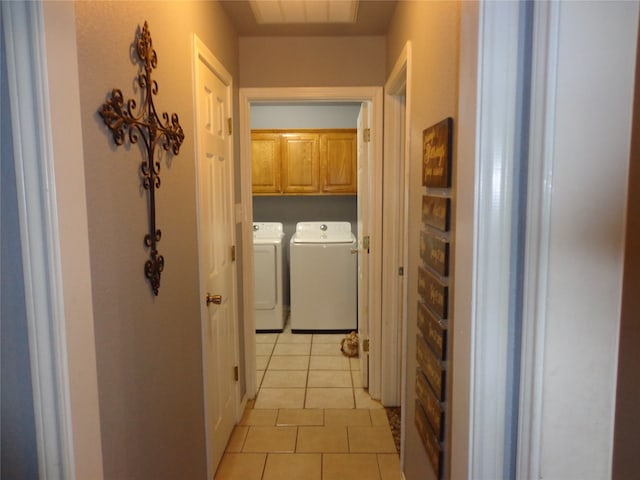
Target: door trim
[
  {"x": 397, "y": 145},
  {"x": 373, "y": 95},
  {"x": 534, "y": 314},
  {"x": 397, "y": 152},
  {"x": 201, "y": 53},
  {"x": 492, "y": 134}
]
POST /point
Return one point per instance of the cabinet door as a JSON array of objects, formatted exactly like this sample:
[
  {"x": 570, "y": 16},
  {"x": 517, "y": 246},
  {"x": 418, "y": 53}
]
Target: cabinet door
[
  {"x": 338, "y": 152},
  {"x": 300, "y": 163},
  {"x": 265, "y": 162}
]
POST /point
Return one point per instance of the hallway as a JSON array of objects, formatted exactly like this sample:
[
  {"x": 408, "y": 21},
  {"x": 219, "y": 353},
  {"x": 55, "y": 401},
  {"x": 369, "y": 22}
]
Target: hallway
[{"x": 543, "y": 238}]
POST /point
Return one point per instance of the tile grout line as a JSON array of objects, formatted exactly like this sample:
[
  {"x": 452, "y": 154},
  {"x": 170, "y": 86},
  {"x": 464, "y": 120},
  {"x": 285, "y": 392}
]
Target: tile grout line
[
  {"x": 266, "y": 367},
  {"x": 245, "y": 440},
  {"x": 353, "y": 390},
  {"x": 264, "y": 467},
  {"x": 379, "y": 467},
  {"x": 306, "y": 385}
]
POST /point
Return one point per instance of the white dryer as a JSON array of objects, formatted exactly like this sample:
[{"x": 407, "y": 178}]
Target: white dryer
[
  {"x": 324, "y": 277},
  {"x": 267, "y": 260}
]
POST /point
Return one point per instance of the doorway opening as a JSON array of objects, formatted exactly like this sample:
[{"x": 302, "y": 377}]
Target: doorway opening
[
  {"x": 343, "y": 97},
  {"x": 308, "y": 161}
]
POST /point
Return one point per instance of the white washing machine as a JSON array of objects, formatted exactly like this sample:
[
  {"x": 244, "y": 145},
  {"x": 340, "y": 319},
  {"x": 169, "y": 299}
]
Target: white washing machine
[
  {"x": 324, "y": 277},
  {"x": 267, "y": 260}
]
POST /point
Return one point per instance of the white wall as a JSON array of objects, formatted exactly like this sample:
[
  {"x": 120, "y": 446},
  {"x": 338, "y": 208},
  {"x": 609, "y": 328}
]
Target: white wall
[
  {"x": 586, "y": 127},
  {"x": 325, "y": 115},
  {"x": 590, "y": 154}
]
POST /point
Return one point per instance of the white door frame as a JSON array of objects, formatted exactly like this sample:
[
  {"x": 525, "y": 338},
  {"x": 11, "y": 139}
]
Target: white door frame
[
  {"x": 363, "y": 221},
  {"x": 47, "y": 136},
  {"x": 397, "y": 152},
  {"x": 201, "y": 53},
  {"x": 245, "y": 212},
  {"x": 497, "y": 109},
  {"x": 543, "y": 99},
  {"x": 485, "y": 141}
]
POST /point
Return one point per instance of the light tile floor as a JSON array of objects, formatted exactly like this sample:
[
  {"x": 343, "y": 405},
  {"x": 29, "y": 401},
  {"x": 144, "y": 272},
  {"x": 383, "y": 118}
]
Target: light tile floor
[
  {"x": 311, "y": 444},
  {"x": 311, "y": 419},
  {"x": 307, "y": 371}
]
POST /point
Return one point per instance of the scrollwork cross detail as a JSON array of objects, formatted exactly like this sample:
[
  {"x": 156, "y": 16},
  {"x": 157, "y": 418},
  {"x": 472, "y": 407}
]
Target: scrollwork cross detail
[{"x": 125, "y": 121}]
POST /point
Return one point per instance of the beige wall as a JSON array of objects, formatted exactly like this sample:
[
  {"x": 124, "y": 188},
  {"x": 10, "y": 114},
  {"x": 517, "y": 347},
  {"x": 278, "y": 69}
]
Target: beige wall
[
  {"x": 433, "y": 29},
  {"x": 148, "y": 348},
  {"x": 626, "y": 462},
  {"x": 312, "y": 61}
]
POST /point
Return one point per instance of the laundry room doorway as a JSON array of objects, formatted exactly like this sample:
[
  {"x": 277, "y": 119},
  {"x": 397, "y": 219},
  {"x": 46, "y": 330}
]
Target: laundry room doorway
[{"x": 367, "y": 213}]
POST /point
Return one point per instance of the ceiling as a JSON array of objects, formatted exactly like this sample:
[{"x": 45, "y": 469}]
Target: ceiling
[{"x": 373, "y": 18}]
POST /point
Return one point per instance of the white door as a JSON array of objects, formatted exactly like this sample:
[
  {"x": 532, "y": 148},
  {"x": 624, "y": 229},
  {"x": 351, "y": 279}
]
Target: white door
[
  {"x": 216, "y": 237},
  {"x": 363, "y": 239}
]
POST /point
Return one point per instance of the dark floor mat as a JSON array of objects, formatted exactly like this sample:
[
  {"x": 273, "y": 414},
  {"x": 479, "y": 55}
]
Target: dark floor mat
[{"x": 394, "y": 415}]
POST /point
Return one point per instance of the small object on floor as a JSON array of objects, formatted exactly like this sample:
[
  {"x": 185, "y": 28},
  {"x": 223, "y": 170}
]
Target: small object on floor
[{"x": 349, "y": 345}]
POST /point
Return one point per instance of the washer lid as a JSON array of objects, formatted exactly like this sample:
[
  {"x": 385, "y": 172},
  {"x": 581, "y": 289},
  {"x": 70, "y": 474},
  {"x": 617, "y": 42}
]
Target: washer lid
[
  {"x": 267, "y": 231},
  {"x": 323, "y": 232}
]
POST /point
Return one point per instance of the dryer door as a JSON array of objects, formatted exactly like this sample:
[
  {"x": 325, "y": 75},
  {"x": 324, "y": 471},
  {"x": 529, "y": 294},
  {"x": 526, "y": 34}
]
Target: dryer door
[{"x": 265, "y": 284}]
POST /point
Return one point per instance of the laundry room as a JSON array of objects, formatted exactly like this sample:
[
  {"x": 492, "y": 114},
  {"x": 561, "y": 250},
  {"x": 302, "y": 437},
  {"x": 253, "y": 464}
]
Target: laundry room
[{"x": 293, "y": 182}]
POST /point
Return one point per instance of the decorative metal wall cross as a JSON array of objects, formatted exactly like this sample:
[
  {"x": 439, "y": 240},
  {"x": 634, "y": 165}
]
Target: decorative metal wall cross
[{"x": 122, "y": 119}]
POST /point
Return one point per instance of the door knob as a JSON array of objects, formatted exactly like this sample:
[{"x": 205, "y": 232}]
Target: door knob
[{"x": 216, "y": 299}]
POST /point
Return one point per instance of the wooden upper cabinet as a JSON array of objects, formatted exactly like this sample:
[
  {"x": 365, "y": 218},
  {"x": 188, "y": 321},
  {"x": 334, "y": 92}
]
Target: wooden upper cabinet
[
  {"x": 300, "y": 163},
  {"x": 338, "y": 151},
  {"x": 265, "y": 162},
  {"x": 304, "y": 162}
]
